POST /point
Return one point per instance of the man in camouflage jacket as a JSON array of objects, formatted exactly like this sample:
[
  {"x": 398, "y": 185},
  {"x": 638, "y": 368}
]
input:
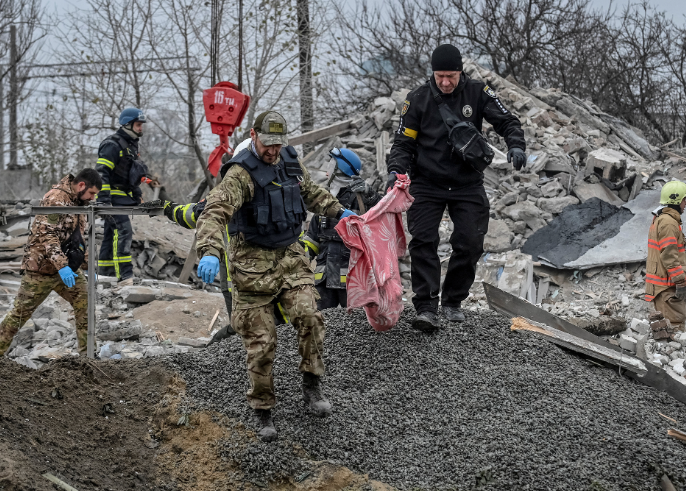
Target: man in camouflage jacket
[
  {"x": 46, "y": 267},
  {"x": 264, "y": 198}
]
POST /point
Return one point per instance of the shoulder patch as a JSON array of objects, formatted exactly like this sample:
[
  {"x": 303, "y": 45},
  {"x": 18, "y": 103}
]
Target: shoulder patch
[
  {"x": 406, "y": 106},
  {"x": 54, "y": 218},
  {"x": 490, "y": 92}
]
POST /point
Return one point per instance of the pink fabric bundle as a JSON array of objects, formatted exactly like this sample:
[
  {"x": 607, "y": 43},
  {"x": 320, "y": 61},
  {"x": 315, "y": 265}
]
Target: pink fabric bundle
[{"x": 376, "y": 240}]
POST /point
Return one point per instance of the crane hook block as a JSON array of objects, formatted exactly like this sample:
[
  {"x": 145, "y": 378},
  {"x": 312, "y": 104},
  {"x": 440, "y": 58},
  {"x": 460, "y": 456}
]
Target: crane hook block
[{"x": 225, "y": 108}]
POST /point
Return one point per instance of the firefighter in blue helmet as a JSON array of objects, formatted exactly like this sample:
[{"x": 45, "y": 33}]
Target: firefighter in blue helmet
[
  {"x": 121, "y": 170},
  {"x": 331, "y": 272}
]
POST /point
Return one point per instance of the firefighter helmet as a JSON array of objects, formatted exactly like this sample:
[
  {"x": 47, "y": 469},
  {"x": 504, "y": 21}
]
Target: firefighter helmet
[
  {"x": 673, "y": 193},
  {"x": 131, "y": 115}
]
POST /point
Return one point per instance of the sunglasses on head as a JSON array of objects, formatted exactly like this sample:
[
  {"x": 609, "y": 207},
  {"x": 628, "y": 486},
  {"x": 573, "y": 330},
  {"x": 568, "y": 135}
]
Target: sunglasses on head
[{"x": 337, "y": 154}]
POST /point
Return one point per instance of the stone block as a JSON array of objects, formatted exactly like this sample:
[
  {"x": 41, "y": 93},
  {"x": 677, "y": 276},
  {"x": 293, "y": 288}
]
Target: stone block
[
  {"x": 523, "y": 211},
  {"x": 556, "y": 205},
  {"x": 509, "y": 198},
  {"x": 661, "y": 335},
  {"x": 552, "y": 189},
  {"x": 627, "y": 342},
  {"x": 193, "y": 342},
  {"x": 498, "y": 238},
  {"x": 660, "y": 325},
  {"x": 117, "y": 331},
  {"x": 153, "y": 351},
  {"x": 60, "y": 323},
  {"x": 27, "y": 362},
  {"x": 655, "y": 316},
  {"x": 536, "y": 223},
  {"x": 640, "y": 326},
  {"x": 139, "y": 294}
]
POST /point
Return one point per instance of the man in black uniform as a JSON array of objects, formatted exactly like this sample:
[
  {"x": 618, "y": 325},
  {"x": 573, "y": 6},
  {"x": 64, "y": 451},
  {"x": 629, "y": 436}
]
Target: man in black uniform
[
  {"x": 441, "y": 178},
  {"x": 121, "y": 171},
  {"x": 331, "y": 273}
]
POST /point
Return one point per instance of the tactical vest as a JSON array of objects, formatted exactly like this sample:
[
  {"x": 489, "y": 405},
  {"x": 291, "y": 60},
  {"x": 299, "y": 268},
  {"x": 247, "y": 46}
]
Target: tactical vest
[{"x": 274, "y": 217}]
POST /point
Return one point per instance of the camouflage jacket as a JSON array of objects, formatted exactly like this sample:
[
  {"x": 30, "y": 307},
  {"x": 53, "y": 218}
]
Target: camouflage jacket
[
  {"x": 43, "y": 251},
  {"x": 237, "y": 188}
]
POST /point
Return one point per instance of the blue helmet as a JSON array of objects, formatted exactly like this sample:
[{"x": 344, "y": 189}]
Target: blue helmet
[
  {"x": 131, "y": 115},
  {"x": 347, "y": 161}
]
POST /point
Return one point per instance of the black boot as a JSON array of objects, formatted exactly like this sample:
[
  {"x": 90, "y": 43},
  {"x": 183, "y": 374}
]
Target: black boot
[
  {"x": 453, "y": 314},
  {"x": 267, "y": 432},
  {"x": 313, "y": 396},
  {"x": 426, "y": 321},
  {"x": 223, "y": 333}
]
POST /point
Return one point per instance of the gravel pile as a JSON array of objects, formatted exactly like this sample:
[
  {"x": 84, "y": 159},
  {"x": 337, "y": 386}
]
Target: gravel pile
[{"x": 473, "y": 403}]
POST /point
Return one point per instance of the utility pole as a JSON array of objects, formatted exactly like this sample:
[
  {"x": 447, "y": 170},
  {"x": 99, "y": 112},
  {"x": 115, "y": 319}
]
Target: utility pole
[
  {"x": 2, "y": 124},
  {"x": 14, "y": 96},
  {"x": 306, "y": 99},
  {"x": 240, "y": 44}
]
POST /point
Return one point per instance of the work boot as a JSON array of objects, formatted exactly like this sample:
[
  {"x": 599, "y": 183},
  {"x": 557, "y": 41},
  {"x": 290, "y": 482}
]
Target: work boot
[
  {"x": 267, "y": 432},
  {"x": 313, "y": 396},
  {"x": 453, "y": 314},
  {"x": 426, "y": 321}
]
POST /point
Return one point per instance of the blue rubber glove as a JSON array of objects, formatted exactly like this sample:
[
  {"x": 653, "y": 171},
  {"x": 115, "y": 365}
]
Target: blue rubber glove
[
  {"x": 208, "y": 268},
  {"x": 348, "y": 213},
  {"x": 68, "y": 276}
]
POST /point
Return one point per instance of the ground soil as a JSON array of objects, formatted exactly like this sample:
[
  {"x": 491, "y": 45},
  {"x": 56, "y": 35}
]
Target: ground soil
[
  {"x": 122, "y": 425},
  {"x": 189, "y": 317}
]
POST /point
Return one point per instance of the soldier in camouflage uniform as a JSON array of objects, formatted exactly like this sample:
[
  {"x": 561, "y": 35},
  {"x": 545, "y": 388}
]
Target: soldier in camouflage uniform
[
  {"x": 53, "y": 254},
  {"x": 264, "y": 198}
]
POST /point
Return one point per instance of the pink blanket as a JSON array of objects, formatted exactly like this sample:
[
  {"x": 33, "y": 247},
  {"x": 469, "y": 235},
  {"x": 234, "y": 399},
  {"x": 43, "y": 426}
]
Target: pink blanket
[{"x": 376, "y": 240}]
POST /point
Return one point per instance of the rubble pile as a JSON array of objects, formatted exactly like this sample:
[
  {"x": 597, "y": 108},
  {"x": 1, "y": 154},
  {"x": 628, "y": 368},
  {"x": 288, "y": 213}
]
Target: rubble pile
[
  {"x": 590, "y": 178},
  {"x": 124, "y": 330}
]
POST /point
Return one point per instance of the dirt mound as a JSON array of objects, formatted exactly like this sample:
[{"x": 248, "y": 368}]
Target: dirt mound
[
  {"x": 123, "y": 425},
  {"x": 83, "y": 422}
]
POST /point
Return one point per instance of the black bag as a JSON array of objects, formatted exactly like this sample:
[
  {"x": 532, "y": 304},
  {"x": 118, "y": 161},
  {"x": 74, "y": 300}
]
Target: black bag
[
  {"x": 467, "y": 141},
  {"x": 75, "y": 249}
]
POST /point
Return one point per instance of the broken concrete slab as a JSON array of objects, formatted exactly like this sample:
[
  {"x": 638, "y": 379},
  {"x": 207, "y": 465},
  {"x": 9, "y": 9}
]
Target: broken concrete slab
[
  {"x": 585, "y": 191},
  {"x": 556, "y": 205},
  {"x": 607, "y": 163},
  {"x": 139, "y": 294},
  {"x": 576, "y": 230}
]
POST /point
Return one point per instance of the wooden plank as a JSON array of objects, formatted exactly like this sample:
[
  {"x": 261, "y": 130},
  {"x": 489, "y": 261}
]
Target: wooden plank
[
  {"x": 190, "y": 262},
  {"x": 321, "y": 133},
  {"x": 58, "y": 482},
  {"x": 581, "y": 345},
  {"x": 679, "y": 435},
  {"x": 214, "y": 319}
]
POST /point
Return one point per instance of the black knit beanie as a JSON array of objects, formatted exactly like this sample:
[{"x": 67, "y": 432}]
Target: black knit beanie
[{"x": 446, "y": 58}]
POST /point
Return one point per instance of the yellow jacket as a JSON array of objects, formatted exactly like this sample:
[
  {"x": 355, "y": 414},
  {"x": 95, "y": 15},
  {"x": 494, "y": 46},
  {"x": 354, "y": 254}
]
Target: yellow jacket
[{"x": 666, "y": 256}]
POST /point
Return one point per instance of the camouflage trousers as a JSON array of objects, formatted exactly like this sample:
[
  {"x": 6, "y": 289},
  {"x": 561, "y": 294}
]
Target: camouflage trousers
[
  {"x": 34, "y": 289},
  {"x": 257, "y": 328}
]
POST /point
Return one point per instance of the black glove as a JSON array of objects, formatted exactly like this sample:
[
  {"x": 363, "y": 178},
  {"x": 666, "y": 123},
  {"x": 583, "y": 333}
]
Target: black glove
[
  {"x": 517, "y": 157},
  {"x": 681, "y": 291},
  {"x": 108, "y": 218},
  {"x": 156, "y": 203},
  {"x": 390, "y": 182}
]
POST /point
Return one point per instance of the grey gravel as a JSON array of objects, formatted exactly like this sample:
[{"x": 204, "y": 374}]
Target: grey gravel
[{"x": 473, "y": 403}]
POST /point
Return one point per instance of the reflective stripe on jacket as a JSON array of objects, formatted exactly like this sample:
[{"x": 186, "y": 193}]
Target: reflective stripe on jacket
[{"x": 666, "y": 257}]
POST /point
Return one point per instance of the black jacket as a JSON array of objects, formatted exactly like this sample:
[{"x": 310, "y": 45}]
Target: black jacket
[
  {"x": 421, "y": 142},
  {"x": 115, "y": 158},
  {"x": 324, "y": 242}
]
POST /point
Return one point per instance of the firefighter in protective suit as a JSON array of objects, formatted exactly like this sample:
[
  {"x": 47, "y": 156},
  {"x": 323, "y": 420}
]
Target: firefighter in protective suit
[
  {"x": 121, "y": 170},
  {"x": 665, "y": 276},
  {"x": 331, "y": 272}
]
